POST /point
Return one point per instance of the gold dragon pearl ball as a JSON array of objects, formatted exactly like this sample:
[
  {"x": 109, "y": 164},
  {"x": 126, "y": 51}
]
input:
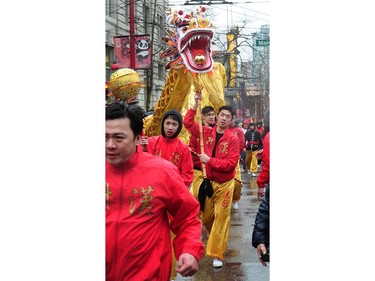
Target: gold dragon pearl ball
[
  {"x": 199, "y": 59},
  {"x": 125, "y": 83}
]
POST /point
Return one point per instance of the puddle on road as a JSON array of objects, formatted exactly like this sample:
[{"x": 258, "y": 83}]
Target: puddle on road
[{"x": 250, "y": 193}]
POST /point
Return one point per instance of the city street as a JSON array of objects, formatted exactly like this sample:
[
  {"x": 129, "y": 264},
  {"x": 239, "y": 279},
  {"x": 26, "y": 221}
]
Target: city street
[{"x": 241, "y": 262}]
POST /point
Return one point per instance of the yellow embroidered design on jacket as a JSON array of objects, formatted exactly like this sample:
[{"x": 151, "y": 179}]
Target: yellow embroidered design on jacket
[
  {"x": 224, "y": 147},
  {"x": 175, "y": 158},
  {"x": 158, "y": 153},
  {"x": 145, "y": 200},
  {"x": 209, "y": 140}
]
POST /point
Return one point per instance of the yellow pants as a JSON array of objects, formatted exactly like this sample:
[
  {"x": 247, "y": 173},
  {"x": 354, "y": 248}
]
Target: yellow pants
[
  {"x": 198, "y": 178},
  {"x": 251, "y": 161},
  {"x": 173, "y": 274},
  {"x": 216, "y": 218},
  {"x": 237, "y": 184}
]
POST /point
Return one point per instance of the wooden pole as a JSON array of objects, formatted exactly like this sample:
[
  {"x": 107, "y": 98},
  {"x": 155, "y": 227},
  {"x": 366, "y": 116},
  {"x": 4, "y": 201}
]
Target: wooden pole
[{"x": 199, "y": 111}]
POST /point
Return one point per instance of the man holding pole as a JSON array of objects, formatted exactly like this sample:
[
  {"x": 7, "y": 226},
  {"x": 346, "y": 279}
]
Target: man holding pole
[
  {"x": 219, "y": 156},
  {"x": 208, "y": 119}
]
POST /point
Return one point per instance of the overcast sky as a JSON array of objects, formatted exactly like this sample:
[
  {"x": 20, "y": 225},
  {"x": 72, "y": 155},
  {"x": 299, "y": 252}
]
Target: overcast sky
[{"x": 258, "y": 12}]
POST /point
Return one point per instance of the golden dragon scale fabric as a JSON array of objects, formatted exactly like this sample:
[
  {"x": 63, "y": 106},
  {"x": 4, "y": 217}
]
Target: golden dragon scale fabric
[{"x": 190, "y": 68}]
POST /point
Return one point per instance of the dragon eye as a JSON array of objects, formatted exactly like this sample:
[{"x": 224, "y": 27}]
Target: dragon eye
[{"x": 182, "y": 29}]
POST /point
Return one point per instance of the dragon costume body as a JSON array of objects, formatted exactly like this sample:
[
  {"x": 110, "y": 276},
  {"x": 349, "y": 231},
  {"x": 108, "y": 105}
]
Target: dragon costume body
[{"x": 191, "y": 68}]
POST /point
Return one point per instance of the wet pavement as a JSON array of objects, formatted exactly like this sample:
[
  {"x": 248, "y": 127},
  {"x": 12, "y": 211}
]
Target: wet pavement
[{"x": 241, "y": 262}]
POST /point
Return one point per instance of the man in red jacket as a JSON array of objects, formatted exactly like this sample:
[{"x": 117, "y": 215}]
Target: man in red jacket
[
  {"x": 221, "y": 154},
  {"x": 259, "y": 127},
  {"x": 171, "y": 148},
  {"x": 141, "y": 189},
  {"x": 208, "y": 119},
  {"x": 254, "y": 144}
]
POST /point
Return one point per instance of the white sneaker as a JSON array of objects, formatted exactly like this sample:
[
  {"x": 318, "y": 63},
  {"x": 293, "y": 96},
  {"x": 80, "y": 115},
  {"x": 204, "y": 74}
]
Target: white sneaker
[
  {"x": 235, "y": 205},
  {"x": 253, "y": 174},
  {"x": 217, "y": 263}
]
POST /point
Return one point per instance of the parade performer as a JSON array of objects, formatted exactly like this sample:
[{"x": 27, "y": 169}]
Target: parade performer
[
  {"x": 259, "y": 127},
  {"x": 170, "y": 147},
  {"x": 138, "y": 199},
  {"x": 254, "y": 145},
  {"x": 208, "y": 119},
  {"x": 220, "y": 156}
]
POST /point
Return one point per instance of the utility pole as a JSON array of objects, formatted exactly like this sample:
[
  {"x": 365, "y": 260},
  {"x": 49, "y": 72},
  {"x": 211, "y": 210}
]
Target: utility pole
[
  {"x": 132, "y": 32},
  {"x": 151, "y": 71}
]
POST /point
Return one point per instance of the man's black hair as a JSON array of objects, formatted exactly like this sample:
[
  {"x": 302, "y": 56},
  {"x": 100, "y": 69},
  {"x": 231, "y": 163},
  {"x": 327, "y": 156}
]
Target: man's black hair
[
  {"x": 207, "y": 109},
  {"x": 227, "y": 107},
  {"x": 134, "y": 112}
]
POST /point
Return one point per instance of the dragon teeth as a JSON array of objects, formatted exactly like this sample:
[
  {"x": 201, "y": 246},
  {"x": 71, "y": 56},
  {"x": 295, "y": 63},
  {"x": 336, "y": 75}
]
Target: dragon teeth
[{"x": 195, "y": 37}]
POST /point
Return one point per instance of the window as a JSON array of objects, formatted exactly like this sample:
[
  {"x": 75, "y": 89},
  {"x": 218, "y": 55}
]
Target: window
[
  {"x": 160, "y": 71},
  {"x": 147, "y": 18},
  {"x": 160, "y": 27},
  {"x": 110, "y": 8}
]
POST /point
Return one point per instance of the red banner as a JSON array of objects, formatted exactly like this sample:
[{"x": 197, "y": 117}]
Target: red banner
[
  {"x": 142, "y": 51},
  {"x": 122, "y": 50}
]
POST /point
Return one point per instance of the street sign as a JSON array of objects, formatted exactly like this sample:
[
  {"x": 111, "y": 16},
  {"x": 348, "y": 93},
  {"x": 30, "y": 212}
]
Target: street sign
[{"x": 262, "y": 43}]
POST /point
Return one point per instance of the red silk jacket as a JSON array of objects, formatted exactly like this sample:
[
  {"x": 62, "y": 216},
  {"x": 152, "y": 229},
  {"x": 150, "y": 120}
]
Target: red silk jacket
[
  {"x": 264, "y": 176},
  {"x": 138, "y": 197},
  {"x": 176, "y": 152},
  {"x": 241, "y": 136}
]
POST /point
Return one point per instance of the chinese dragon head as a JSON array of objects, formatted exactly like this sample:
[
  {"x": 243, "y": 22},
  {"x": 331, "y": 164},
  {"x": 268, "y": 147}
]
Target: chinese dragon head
[
  {"x": 190, "y": 43},
  {"x": 191, "y": 67}
]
